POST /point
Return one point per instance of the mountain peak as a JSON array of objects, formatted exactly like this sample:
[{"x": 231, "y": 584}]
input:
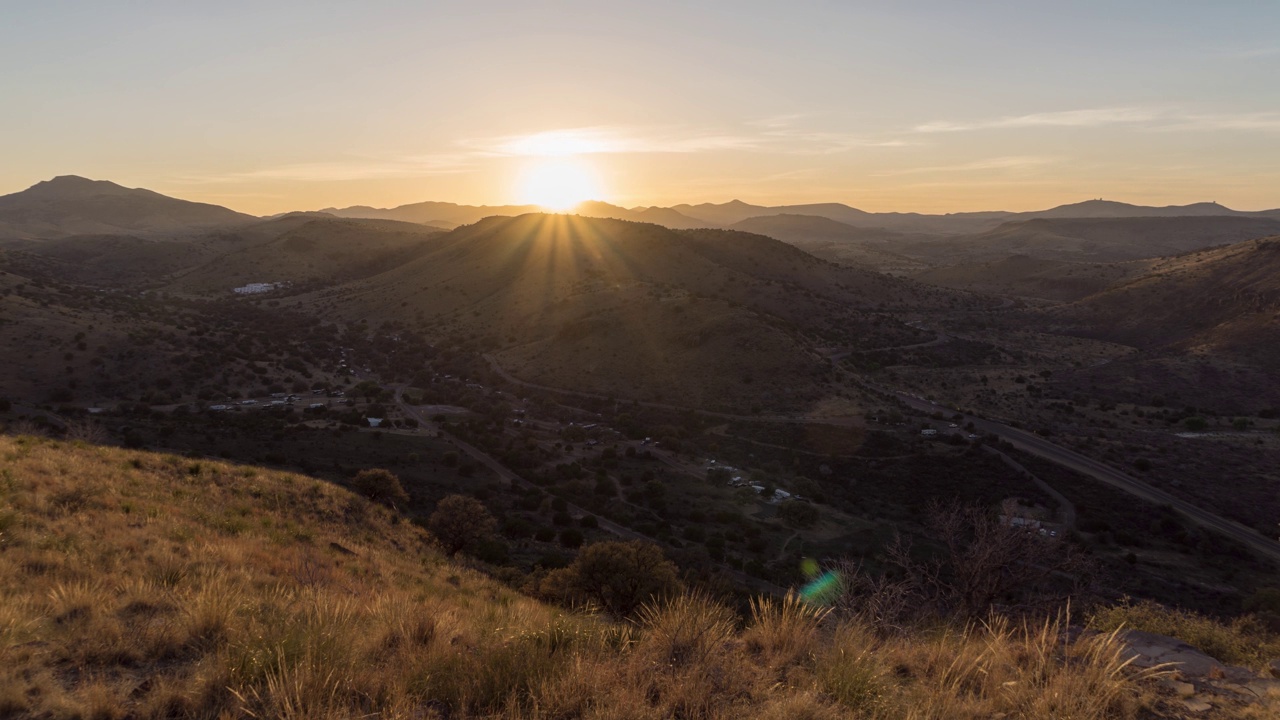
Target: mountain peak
[{"x": 68, "y": 185}]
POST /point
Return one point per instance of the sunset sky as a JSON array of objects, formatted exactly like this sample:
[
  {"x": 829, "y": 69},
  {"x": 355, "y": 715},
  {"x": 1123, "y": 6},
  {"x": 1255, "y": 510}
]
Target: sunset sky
[{"x": 946, "y": 106}]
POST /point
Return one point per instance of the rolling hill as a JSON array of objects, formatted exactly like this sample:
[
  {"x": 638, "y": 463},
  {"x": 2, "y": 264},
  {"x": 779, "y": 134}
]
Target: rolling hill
[
  {"x": 711, "y": 317},
  {"x": 102, "y": 260},
  {"x": 835, "y": 241},
  {"x": 1216, "y": 302},
  {"x": 70, "y": 205},
  {"x": 963, "y": 223},
  {"x": 1099, "y": 240},
  {"x": 442, "y": 214},
  {"x": 1026, "y": 276},
  {"x": 300, "y": 250}
]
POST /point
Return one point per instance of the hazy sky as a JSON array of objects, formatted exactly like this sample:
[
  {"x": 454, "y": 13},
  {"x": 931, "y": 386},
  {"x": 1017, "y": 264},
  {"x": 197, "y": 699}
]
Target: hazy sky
[{"x": 929, "y": 106}]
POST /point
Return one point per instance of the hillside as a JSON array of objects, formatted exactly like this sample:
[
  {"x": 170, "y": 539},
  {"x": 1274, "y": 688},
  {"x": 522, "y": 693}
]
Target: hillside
[
  {"x": 70, "y": 205},
  {"x": 656, "y": 215},
  {"x": 1112, "y": 209},
  {"x": 1221, "y": 302},
  {"x": 443, "y": 214},
  {"x": 835, "y": 241},
  {"x": 102, "y": 260},
  {"x": 301, "y": 250},
  {"x": 144, "y": 585},
  {"x": 1101, "y": 240},
  {"x": 1025, "y": 276},
  {"x": 715, "y": 317}
]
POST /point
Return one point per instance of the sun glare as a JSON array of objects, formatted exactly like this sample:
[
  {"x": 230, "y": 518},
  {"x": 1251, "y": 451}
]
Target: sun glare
[{"x": 559, "y": 183}]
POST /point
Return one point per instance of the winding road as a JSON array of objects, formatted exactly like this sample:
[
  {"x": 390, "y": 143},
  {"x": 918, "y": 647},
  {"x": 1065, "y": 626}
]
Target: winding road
[
  {"x": 1073, "y": 460},
  {"x": 1020, "y": 439}
]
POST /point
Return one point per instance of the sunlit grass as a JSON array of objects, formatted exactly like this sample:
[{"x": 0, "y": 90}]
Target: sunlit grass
[{"x": 127, "y": 593}]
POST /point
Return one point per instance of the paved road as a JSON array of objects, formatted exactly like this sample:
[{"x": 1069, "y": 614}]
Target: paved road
[
  {"x": 1066, "y": 508},
  {"x": 1065, "y": 457}
]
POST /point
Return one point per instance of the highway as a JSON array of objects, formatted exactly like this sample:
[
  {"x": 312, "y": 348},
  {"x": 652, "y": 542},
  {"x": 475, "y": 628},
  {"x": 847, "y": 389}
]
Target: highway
[{"x": 1068, "y": 458}]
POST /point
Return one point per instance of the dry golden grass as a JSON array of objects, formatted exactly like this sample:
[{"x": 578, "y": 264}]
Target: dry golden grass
[
  {"x": 142, "y": 585},
  {"x": 1245, "y": 640}
]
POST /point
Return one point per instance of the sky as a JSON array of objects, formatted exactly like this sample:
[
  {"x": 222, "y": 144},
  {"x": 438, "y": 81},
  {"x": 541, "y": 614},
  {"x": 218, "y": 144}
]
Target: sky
[{"x": 923, "y": 106}]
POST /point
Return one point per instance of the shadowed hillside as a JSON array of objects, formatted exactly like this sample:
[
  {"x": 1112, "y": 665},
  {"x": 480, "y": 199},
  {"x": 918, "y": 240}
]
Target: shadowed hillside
[
  {"x": 1025, "y": 276},
  {"x": 640, "y": 310},
  {"x": 1096, "y": 240},
  {"x": 822, "y": 237},
  {"x": 1222, "y": 301},
  {"x": 300, "y": 250}
]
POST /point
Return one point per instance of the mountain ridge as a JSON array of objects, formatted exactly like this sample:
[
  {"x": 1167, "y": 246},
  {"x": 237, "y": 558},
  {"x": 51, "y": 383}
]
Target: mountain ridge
[{"x": 73, "y": 205}]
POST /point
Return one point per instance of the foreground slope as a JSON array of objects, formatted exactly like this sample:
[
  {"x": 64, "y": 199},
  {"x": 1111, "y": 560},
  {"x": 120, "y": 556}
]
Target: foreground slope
[
  {"x": 71, "y": 205},
  {"x": 146, "y": 586}
]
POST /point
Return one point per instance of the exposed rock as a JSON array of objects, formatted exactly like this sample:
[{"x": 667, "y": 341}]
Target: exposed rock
[
  {"x": 1197, "y": 705},
  {"x": 1177, "y": 687}
]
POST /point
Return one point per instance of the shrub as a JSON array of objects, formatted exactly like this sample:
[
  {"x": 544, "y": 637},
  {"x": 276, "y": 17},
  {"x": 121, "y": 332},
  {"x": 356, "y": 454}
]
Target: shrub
[
  {"x": 571, "y": 538},
  {"x": 381, "y": 486},
  {"x": 800, "y": 514},
  {"x": 618, "y": 576},
  {"x": 460, "y": 522}
]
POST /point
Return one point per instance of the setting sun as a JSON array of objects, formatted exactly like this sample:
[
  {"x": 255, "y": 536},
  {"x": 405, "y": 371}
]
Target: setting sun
[{"x": 558, "y": 183}]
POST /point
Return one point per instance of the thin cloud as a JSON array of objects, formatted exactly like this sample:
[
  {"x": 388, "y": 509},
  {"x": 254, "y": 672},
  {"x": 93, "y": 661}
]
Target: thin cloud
[
  {"x": 774, "y": 136},
  {"x": 1008, "y": 162},
  {"x": 1265, "y": 122},
  {"x": 604, "y": 140},
  {"x": 1093, "y": 117},
  {"x": 1148, "y": 119},
  {"x": 1254, "y": 53}
]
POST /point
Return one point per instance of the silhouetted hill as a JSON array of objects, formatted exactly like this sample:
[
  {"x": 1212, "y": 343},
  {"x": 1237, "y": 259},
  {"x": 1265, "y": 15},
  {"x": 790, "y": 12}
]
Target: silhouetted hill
[
  {"x": 302, "y": 249},
  {"x": 737, "y": 211},
  {"x": 656, "y": 215},
  {"x": 1095, "y": 240},
  {"x": 442, "y": 214},
  {"x": 833, "y": 240},
  {"x": 1111, "y": 209},
  {"x": 71, "y": 205},
  {"x": 710, "y": 317}
]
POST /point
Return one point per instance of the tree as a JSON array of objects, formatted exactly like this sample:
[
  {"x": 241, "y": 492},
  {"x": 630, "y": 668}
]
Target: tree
[
  {"x": 800, "y": 514},
  {"x": 1196, "y": 424},
  {"x": 618, "y": 576},
  {"x": 460, "y": 522},
  {"x": 571, "y": 538},
  {"x": 983, "y": 562},
  {"x": 381, "y": 486}
]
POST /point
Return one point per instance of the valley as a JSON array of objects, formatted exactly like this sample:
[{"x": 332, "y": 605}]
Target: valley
[{"x": 554, "y": 345}]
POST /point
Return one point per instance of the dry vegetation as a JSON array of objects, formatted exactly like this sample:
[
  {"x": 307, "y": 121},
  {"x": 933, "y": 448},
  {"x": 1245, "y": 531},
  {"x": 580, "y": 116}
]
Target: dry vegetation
[{"x": 145, "y": 585}]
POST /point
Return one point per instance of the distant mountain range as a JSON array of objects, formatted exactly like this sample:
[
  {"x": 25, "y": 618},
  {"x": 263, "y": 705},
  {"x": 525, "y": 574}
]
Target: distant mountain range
[
  {"x": 70, "y": 205},
  {"x": 731, "y": 214}
]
